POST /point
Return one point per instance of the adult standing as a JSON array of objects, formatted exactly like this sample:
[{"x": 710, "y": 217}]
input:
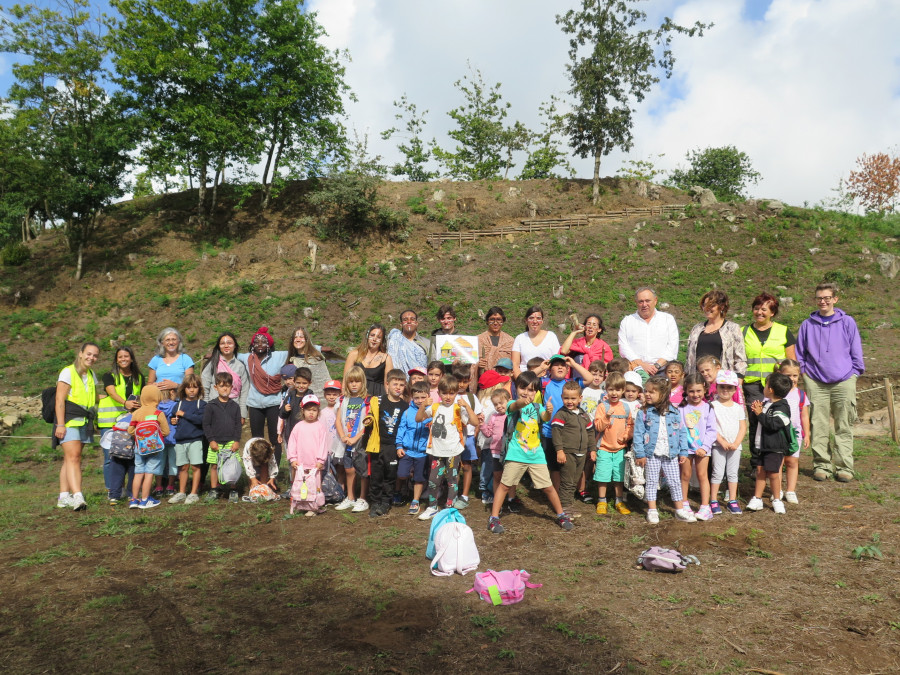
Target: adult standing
[
  {"x": 264, "y": 370},
  {"x": 829, "y": 350},
  {"x": 302, "y": 353},
  {"x": 585, "y": 340},
  {"x": 224, "y": 359},
  {"x": 122, "y": 386},
  {"x": 373, "y": 358},
  {"x": 535, "y": 341},
  {"x": 493, "y": 344},
  {"x": 170, "y": 364},
  {"x": 76, "y": 401},
  {"x": 717, "y": 336},
  {"x": 406, "y": 347},
  {"x": 648, "y": 338},
  {"x": 446, "y": 316},
  {"x": 766, "y": 344}
]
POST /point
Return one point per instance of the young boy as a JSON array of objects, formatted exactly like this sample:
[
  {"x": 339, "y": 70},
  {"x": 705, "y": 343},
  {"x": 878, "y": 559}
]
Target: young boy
[
  {"x": 573, "y": 438},
  {"x": 615, "y": 425},
  {"x": 222, "y": 428},
  {"x": 412, "y": 445},
  {"x": 446, "y": 442},
  {"x": 552, "y": 387},
  {"x": 291, "y": 411},
  {"x": 775, "y": 438},
  {"x": 383, "y": 421},
  {"x": 462, "y": 373},
  {"x": 524, "y": 453},
  {"x": 417, "y": 374},
  {"x": 592, "y": 395}
]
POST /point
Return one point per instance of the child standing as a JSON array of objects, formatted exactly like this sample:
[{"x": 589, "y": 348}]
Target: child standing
[
  {"x": 291, "y": 410},
  {"x": 493, "y": 430},
  {"x": 463, "y": 373},
  {"x": 188, "y": 423},
  {"x": 412, "y": 444},
  {"x": 307, "y": 453},
  {"x": 524, "y": 453},
  {"x": 699, "y": 422},
  {"x": 799, "y": 402},
  {"x": 328, "y": 413},
  {"x": 352, "y": 409},
  {"x": 147, "y": 466},
  {"x": 731, "y": 426},
  {"x": 383, "y": 421},
  {"x": 675, "y": 374},
  {"x": 573, "y": 438},
  {"x": 435, "y": 372},
  {"x": 614, "y": 424},
  {"x": 708, "y": 366},
  {"x": 775, "y": 438},
  {"x": 552, "y": 386},
  {"x": 660, "y": 444},
  {"x": 634, "y": 391},
  {"x": 222, "y": 428}
]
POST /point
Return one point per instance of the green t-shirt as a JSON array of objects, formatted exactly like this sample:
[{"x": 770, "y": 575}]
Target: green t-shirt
[{"x": 525, "y": 439}]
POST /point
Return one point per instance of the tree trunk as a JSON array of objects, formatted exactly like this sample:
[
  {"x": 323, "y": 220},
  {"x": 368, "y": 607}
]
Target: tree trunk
[
  {"x": 203, "y": 166},
  {"x": 78, "y": 265},
  {"x": 596, "y": 190},
  {"x": 268, "y": 187}
]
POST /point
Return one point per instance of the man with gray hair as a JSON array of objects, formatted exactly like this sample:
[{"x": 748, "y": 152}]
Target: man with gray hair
[{"x": 648, "y": 338}]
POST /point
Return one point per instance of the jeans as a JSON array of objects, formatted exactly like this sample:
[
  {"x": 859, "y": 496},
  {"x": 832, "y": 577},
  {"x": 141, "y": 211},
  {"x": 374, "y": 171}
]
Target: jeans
[
  {"x": 486, "y": 475},
  {"x": 118, "y": 469}
]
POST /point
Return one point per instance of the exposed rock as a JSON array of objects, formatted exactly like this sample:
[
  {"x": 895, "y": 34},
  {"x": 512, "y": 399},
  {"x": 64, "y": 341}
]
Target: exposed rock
[
  {"x": 513, "y": 192},
  {"x": 531, "y": 208},
  {"x": 719, "y": 251},
  {"x": 775, "y": 205},
  {"x": 132, "y": 257},
  {"x": 733, "y": 228},
  {"x": 632, "y": 243},
  {"x": 673, "y": 223},
  {"x": 327, "y": 269},
  {"x": 730, "y": 218},
  {"x": 558, "y": 291},
  {"x": 465, "y": 257},
  {"x": 438, "y": 196},
  {"x": 889, "y": 264},
  {"x": 752, "y": 242},
  {"x": 308, "y": 312},
  {"x": 654, "y": 243},
  {"x": 814, "y": 250},
  {"x": 562, "y": 240},
  {"x": 665, "y": 306},
  {"x": 729, "y": 267},
  {"x": 466, "y": 205},
  {"x": 702, "y": 195},
  {"x": 654, "y": 193},
  {"x": 786, "y": 302}
]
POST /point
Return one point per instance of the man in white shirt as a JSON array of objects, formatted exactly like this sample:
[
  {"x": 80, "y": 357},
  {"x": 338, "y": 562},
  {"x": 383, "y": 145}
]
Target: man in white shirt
[{"x": 647, "y": 338}]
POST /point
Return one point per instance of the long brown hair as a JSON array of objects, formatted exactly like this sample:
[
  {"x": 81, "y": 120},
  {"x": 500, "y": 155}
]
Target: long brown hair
[
  {"x": 364, "y": 347},
  {"x": 309, "y": 349},
  {"x": 661, "y": 384}
]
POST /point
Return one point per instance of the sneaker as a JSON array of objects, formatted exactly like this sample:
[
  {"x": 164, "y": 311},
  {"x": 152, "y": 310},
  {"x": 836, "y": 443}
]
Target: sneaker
[
  {"x": 211, "y": 496},
  {"x": 396, "y": 500},
  {"x": 134, "y": 503},
  {"x": 704, "y": 513},
  {"x": 192, "y": 499},
  {"x": 514, "y": 505},
  {"x": 584, "y": 497},
  {"x": 487, "y": 498},
  {"x": 346, "y": 504},
  {"x": 376, "y": 511},
  {"x": 653, "y": 516},
  {"x": 621, "y": 508},
  {"x": 686, "y": 506},
  {"x": 715, "y": 508},
  {"x": 495, "y": 526},
  {"x": 602, "y": 508},
  {"x": 791, "y": 498},
  {"x": 778, "y": 506},
  {"x": 157, "y": 492},
  {"x": 286, "y": 494},
  {"x": 843, "y": 476},
  {"x": 734, "y": 507},
  {"x": 78, "y": 503},
  {"x": 178, "y": 498},
  {"x": 820, "y": 475},
  {"x": 64, "y": 502},
  {"x": 234, "y": 497},
  {"x": 564, "y": 522},
  {"x": 459, "y": 503},
  {"x": 685, "y": 516},
  {"x": 570, "y": 513},
  {"x": 111, "y": 501},
  {"x": 149, "y": 503},
  {"x": 755, "y": 504},
  {"x": 170, "y": 492},
  {"x": 429, "y": 513},
  {"x": 414, "y": 507},
  {"x": 360, "y": 506}
]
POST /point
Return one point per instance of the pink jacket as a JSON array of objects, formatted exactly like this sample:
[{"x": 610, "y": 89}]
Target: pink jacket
[
  {"x": 493, "y": 429},
  {"x": 308, "y": 444}
]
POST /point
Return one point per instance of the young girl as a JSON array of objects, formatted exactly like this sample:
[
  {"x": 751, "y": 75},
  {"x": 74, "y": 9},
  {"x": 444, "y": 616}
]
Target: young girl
[
  {"x": 350, "y": 431},
  {"x": 188, "y": 423},
  {"x": 675, "y": 374},
  {"x": 593, "y": 394},
  {"x": 435, "y": 373},
  {"x": 259, "y": 464},
  {"x": 307, "y": 453},
  {"x": 731, "y": 425},
  {"x": 146, "y": 467},
  {"x": 699, "y": 423},
  {"x": 660, "y": 444},
  {"x": 486, "y": 478},
  {"x": 799, "y": 402},
  {"x": 708, "y": 367}
]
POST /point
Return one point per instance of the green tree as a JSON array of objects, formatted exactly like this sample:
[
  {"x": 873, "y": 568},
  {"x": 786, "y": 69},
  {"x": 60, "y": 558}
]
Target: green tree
[
  {"x": 414, "y": 150},
  {"x": 613, "y": 62},
  {"x": 726, "y": 171},
  {"x": 547, "y": 156}
]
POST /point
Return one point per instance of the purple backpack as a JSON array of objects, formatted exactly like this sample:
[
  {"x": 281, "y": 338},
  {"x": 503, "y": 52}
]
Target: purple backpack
[
  {"x": 658, "y": 559},
  {"x": 502, "y": 588}
]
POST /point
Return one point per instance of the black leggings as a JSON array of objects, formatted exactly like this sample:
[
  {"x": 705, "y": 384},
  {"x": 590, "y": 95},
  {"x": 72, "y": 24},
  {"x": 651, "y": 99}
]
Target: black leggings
[
  {"x": 753, "y": 391},
  {"x": 260, "y": 418}
]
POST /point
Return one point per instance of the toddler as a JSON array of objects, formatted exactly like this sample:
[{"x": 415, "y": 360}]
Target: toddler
[
  {"x": 775, "y": 438},
  {"x": 307, "y": 453},
  {"x": 731, "y": 426}
]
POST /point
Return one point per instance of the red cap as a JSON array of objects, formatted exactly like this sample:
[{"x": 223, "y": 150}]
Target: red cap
[
  {"x": 417, "y": 369},
  {"x": 332, "y": 384},
  {"x": 491, "y": 378}
]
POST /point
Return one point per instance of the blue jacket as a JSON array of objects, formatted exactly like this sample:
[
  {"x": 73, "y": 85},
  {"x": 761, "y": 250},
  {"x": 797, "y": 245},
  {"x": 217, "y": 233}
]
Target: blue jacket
[
  {"x": 190, "y": 426},
  {"x": 168, "y": 407},
  {"x": 272, "y": 366},
  {"x": 647, "y": 429},
  {"x": 412, "y": 436}
]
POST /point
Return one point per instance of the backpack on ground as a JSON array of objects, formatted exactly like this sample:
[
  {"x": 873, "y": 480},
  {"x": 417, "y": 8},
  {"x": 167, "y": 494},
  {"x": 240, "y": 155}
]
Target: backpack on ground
[
  {"x": 502, "y": 588},
  {"x": 334, "y": 493},
  {"x": 262, "y": 493},
  {"x": 147, "y": 439},
  {"x": 450, "y": 515},
  {"x": 455, "y": 550},
  {"x": 306, "y": 492},
  {"x": 658, "y": 559}
]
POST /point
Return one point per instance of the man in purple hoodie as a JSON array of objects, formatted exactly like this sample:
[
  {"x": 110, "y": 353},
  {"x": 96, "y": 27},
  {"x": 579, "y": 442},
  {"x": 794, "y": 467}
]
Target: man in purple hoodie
[{"x": 829, "y": 350}]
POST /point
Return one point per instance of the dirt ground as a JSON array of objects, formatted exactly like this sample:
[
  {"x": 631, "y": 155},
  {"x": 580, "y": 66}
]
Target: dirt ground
[{"x": 247, "y": 588}]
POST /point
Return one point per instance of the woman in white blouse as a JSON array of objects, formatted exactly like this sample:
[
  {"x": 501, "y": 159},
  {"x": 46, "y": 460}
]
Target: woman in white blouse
[{"x": 535, "y": 341}]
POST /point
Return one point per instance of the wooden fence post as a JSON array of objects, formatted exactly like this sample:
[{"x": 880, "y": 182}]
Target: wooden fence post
[{"x": 892, "y": 417}]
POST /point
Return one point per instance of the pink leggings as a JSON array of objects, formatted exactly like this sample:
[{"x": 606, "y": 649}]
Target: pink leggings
[{"x": 669, "y": 466}]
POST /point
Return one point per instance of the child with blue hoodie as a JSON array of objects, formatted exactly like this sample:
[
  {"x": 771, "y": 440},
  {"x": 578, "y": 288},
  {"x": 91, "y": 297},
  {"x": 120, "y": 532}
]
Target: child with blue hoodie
[{"x": 412, "y": 444}]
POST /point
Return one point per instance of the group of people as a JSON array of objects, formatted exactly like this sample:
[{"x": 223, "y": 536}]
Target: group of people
[{"x": 405, "y": 426}]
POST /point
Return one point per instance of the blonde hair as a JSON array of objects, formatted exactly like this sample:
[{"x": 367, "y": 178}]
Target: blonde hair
[
  {"x": 355, "y": 374},
  {"x": 709, "y": 358}
]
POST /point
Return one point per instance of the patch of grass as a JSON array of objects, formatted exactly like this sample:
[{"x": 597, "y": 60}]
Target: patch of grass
[
  {"x": 105, "y": 602},
  {"x": 156, "y": 269},
  {"x": 43, "y": 557},
  {"x": 872, "y": 598},
  {"x": 872, "y": 550}
]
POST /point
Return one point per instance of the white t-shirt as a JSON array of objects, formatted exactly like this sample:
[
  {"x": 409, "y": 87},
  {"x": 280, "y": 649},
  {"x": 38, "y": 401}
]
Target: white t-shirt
[
  {"x": 445, "y": 440},
  {"x": 728, "y": 419},
  {"x": 66, "y": 376},
  {"x": 548, "y": 347},
  {"x": 590, "y": 399},
  {"x": 662, "y": 442},
  {"x": 477, "y": 408}
]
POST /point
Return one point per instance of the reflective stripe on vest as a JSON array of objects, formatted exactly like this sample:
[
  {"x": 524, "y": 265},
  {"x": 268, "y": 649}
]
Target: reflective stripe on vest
[
  {"x": 110, "y": 408},
  {"x": 763, "y": 358},
  {"x": 85, "y": 396}
]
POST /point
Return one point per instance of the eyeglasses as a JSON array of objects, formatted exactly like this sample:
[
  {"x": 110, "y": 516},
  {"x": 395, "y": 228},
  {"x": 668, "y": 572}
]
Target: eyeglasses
[
  {"x": 824, "y": 298},
  {"x": 495, "y": 319}
]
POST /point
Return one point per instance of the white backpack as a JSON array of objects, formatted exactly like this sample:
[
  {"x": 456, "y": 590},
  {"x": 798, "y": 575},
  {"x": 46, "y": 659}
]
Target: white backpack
[{"x": 455, "y": 550}]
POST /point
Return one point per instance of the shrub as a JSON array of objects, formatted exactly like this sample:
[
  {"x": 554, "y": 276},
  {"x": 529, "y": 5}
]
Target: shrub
[
  {"x": 15, "y": 254},
  {"x": 347, "y": 207},
  {"x": 726, "y": 171}
]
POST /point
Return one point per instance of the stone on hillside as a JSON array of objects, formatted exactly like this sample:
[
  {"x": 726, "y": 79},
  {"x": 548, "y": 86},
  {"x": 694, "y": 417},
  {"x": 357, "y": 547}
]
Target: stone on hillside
[
  {"x": 653, "y": 192},
  {"x": 308, "y": 312},
  {"x": 730, "y": 218},
  {"x": 889, "y": 264},
  {"x": 752, "y": 242},
  {"x": 786, "y": 302},
  {"x": 775, "y": 205},
  {"x": 673, "y": 223},
  {"x": 632, "y": 243},
  {"x": 353, "y": 316},
  {"x": 654, "y": 243},
  {"x": 665, "y": 306},
  {"x": 814, "y": 250},
  {"x": 465, "y": 258},
  {"x": 328, "y": 269},
  {"x": 639, "y": 187},
  {"x": 558, "y": 291},
  {"x": 531, "y": 207},
  {"x": 719, "y": 251},
  {"x": 466, "y": 205},
  {"x": 481, "y": 314},
  {"x": 438, "y": 196},
  {"x": 703, "y": 196},
  {"x": 562, "y": 240},
  {"x": 513, "y": 192},
  {"x": 781, "y": 288},
  {"x": 132, "y": 257},
  {"x": 729, "y": 267},
  {"x": 867, "y": 278}
]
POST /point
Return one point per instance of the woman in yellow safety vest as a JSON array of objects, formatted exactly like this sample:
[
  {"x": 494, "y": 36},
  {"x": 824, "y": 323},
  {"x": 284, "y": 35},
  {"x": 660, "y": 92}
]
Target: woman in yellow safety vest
[
  {"x": 767, "y": 344},
  {"x": 122, "y": 385},
  {"x": 76, "y": 385}
]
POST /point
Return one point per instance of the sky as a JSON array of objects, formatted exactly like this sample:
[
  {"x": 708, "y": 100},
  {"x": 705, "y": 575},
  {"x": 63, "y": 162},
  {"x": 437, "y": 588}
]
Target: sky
[{"x": 804, "y": 87}]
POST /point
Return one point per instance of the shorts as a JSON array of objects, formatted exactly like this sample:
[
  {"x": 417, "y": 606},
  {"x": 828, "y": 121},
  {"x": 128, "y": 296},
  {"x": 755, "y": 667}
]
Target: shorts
[
  {"x": 149, "y": 463},
  {"x": 189, "y": 453},
  {"x": 169, "y": 460},
  {"x": 414, "y": 465},
  {"x": 513, "y": 472},
  {"x": 470, "y": 452},
  {"x": 610, "y": 466},
  {"x": 78, "y": 434},
  {"x": 212, "y": 456},
  {"x": 771, "y": 461},
  {"x": 549, "y": 453}
]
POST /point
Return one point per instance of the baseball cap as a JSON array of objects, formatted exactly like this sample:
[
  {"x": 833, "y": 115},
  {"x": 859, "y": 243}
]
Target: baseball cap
[
  {"x": 417, "y": 369},
  {"x": 309, "y": 399},
  {"x": 490, "y": 378},
  {"x": 289, "y": 370},
  {"x": 632, "y": 377},
  {"x": 727, "y": 377},
  {"x": 332, "y": 384},
  {"x": 557, "y": 357},
  {"x": 504, "y": 363}
]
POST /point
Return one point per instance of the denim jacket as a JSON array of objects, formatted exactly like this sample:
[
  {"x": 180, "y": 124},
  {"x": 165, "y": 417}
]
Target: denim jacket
[{"x": 646, "y": 431}]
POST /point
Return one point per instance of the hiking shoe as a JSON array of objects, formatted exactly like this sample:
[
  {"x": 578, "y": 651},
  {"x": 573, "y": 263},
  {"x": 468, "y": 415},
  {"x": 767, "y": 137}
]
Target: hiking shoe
[
  {"x": 396, "y": 500},
  {"x": 653, "y": 516},
  {"x": 791, "y": 498},
  {"x": 843, "y": 476},
  {"x": 602, "y": 508},
  {"x": 685, "y": 516},
  {"x": 346, "y": 504},
  {"x": 192, "y": 499},
  {"x": 459, "y": 503},
  {"x": 487, "y": 498},
  {"x": 820, "y": 475},
  {"x": 621, "y": 508},
  {"x": 564, "y": 522},
  {"x": 734, "y": 507},
  {"x": 715, "y": 509},
  {"x": 778, "y": 506},
  {"x": 514, "y": 505},
  {"x": 704, "y": 513},
  {"x": 429, "y": 513},
  {"x": 360, "y": 506},
  {"x": 211, "y": 496},
  {"x": 584, "y": 497},
  {"x": 234, "y": 497},
  {"x": 755, "y": 504},
  {"x": 495, "y": 526},
  {"x": 149, "y": 503},
  {"x": 78, "y": 503},
  {"x": 178, "y": 498},
  {"x": 64, "y": 502},
  {"x": 414, "y": 507}
]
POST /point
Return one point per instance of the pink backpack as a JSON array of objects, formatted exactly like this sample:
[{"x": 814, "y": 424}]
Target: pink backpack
[{"x": 502, "y": 588}]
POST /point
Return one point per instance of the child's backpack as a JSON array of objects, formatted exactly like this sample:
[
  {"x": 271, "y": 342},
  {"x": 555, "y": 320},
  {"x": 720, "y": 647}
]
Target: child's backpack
[
  {"x": 456, "y": 550},
  {"x": 306, "y": 492},
  {"x": 658, "y": 559},
  {"x": 634, "y": 476},
  {"x": 502, "y": 588},
  {"x": 117, "y": 439},
  {"x": 450, "y": 515},
  {"x": 48, "y": 405},
  {"x": 147, "y": 439}
]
